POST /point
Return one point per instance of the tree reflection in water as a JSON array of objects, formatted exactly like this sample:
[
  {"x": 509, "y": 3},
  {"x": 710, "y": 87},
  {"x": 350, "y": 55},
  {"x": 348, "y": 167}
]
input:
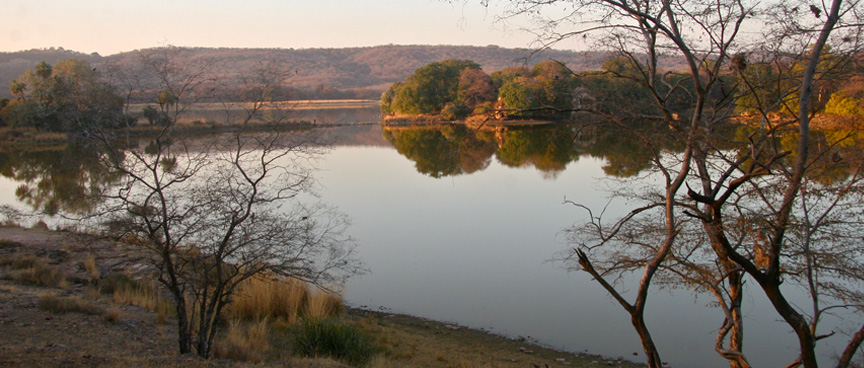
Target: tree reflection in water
[
  {"x": 56, "y": 179},
  {"x": 455, "y": 149}
]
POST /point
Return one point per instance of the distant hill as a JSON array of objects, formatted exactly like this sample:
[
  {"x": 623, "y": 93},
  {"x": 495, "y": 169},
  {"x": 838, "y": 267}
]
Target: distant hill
[
  {"x": 363, "y": 72},
  {"x": 13, "y": 64}
]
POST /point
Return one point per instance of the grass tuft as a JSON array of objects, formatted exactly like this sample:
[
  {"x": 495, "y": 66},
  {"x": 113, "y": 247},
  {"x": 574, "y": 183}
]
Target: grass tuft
[
  {"x": 30, "y": 270},
  {"x": 20, "y": 262},
  {"x": 91, "y": 268},
  {"x": 330, "y": 338},
  {"x": 143, "y": 293},
  {"x": 288, "y": 299},
  {"x": 241, "y": 342},
  {"x": 58, "y": 305},
  {"x": 113, "y": 315}
]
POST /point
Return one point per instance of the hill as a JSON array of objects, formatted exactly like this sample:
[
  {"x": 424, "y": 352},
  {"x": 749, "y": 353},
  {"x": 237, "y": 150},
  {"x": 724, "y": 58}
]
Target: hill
[{"x": 363, "y": 72}]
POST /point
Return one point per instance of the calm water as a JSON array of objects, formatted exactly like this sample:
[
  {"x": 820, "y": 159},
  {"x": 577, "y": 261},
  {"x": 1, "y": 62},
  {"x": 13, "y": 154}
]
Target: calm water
[
  {"x": 475, "y": 250},
  {"x": 469, "y": 240}
]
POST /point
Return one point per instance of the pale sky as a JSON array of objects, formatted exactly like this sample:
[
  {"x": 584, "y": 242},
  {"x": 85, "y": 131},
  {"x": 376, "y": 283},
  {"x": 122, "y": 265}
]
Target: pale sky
[{"x": 112, "y": 26}]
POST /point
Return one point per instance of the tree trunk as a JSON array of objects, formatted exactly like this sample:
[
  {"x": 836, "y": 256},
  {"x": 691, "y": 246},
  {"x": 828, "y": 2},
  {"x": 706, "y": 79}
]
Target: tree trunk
[
  {"x": 651, "y": 353},
  {"x": 184, "y": 337}
]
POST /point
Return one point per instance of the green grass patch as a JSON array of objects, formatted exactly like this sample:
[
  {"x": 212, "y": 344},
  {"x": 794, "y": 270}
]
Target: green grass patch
[{"x": 334, "y": 339}]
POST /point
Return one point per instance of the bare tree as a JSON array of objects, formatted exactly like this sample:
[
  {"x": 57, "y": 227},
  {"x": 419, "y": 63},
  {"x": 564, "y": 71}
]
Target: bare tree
[
  {"x": 214, "y": 212},
  {"x": 738, "y": 218}
]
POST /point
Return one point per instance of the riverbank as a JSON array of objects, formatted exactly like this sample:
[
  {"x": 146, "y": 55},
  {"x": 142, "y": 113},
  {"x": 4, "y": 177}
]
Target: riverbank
[{"x": 110, "y": 335}]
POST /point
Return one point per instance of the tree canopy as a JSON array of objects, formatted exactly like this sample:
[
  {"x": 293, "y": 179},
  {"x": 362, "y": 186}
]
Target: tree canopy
[{"x": 65, "y": 97}]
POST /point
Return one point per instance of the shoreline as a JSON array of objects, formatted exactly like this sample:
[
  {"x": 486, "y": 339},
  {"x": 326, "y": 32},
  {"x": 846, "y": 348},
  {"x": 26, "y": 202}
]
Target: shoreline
[{"x": 404, "y": 340}]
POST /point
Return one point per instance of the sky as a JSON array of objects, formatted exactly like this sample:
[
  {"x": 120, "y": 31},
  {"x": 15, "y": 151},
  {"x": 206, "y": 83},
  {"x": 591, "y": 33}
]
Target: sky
[{"x": 112, "y": 26}]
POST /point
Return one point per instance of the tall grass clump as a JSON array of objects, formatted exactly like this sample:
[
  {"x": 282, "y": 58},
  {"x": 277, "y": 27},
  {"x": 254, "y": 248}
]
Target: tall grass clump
[
  {"x": 59, "y": 305},
  {"x": 243, "y": 342},
  {"x": 143, "y": 293},
  {"x": 30, "y": 270},
  {"x": 279, "y": 298},
  {"x": 316, "y": 337},
  {"x": 91, "y": 268},
  {"x": 262, "y": 297}
]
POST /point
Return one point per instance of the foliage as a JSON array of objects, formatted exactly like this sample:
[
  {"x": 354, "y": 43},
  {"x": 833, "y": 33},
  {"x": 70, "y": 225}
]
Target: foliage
[
  {"x": 546, "y": 92},
  {"x": 841, "y": 105},
  {"x": 70, "y": 96},
  {"x": 429, "y": 89},
  {"x": 475, "y": 88},
  {"x": 331, "y": 338}
]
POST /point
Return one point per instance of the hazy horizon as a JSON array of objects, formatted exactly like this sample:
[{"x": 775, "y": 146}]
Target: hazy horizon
[{"x": 111, "y": 27}]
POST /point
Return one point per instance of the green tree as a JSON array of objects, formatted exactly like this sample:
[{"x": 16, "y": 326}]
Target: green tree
[
  {"x": 429, "y": 89},
  {"x": 70, "y": 96}
]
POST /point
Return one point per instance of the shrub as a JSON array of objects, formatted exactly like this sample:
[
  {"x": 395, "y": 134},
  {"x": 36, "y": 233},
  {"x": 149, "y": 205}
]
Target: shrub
[{"x": 330, "y": 338}]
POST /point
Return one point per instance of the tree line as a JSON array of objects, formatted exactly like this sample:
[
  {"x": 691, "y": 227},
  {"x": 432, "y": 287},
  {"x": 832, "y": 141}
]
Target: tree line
[{"x": 455, "y": 89}]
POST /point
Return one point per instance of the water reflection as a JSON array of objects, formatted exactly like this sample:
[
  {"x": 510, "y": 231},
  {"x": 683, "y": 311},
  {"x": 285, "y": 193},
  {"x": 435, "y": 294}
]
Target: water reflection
[
  {"x": 455, "y": 149},
  {"x": 453, "y": 250},
  {"x": 56, "y": 179},
  {"x": 442, "y": 150}
]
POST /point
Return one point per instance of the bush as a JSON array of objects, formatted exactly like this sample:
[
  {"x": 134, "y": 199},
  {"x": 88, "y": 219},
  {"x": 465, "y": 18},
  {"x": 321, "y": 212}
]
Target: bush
[{"x": 328, "y": 337}]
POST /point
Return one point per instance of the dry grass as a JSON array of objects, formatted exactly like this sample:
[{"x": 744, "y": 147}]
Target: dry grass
[
  {"x": 143, "y": 293},
  {"x": 91, "y": 268},
  {"x": 262, "y": 297},
  {"x": 57, "y": 304},
  {"x": 30, "y": 135},
  {"x": 287, "y": 299},
  {"x": 245, "y": 342},
  {"x": 113, "y": 315},
  {"x": 322, "y": 305},
  {"x": 31, "y": 270}
]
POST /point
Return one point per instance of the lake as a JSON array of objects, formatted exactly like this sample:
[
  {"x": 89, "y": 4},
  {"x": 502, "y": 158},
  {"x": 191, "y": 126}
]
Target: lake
[{"x": 461, "y": 230}]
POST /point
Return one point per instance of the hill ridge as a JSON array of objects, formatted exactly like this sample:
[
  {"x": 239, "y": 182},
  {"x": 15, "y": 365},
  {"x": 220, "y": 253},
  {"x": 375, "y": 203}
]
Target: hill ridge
[{"x": 351, "y": 72}]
